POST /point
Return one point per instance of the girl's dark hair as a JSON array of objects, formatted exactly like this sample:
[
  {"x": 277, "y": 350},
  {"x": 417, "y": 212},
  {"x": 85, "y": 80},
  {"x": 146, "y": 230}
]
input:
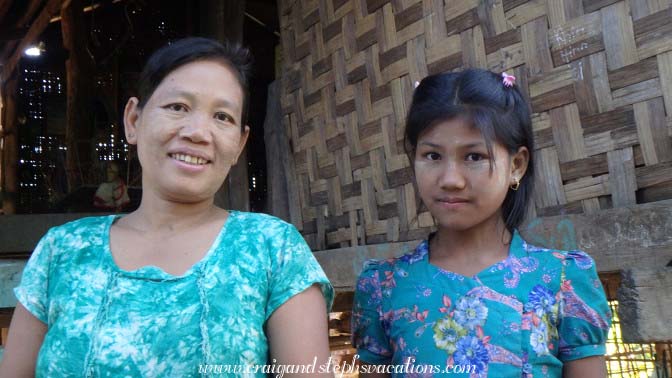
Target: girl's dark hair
[
  {"x": 499, "y": 112},
  {"x": 176, "y": 54}
]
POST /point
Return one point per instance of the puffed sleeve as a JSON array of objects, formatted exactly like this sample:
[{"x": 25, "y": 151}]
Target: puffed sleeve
[
  {"x": 585, "y": 314},
  {"x": 368, "y": 332},
  {"x": 33, "y": 291},
  {"x": 294, "y": 269}
]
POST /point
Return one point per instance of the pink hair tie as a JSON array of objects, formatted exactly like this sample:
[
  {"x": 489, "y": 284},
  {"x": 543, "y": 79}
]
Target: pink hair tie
[{"x": 508, "y": 80}]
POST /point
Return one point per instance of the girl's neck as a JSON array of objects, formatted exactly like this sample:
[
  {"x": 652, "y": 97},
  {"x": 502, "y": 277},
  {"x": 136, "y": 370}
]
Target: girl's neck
[{"x": 486, "y": 241}]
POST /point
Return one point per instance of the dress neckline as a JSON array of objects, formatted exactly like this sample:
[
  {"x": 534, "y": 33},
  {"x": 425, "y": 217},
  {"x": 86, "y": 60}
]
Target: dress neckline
[
  {"x": 153, "y": 272},
  {"x": 515, "y": 245}
]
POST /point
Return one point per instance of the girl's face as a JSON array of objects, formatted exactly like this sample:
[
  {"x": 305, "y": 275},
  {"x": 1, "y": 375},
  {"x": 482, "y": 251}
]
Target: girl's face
[
  {"x": 189, "y": 131},
  {"x": 454, "y": 176}
]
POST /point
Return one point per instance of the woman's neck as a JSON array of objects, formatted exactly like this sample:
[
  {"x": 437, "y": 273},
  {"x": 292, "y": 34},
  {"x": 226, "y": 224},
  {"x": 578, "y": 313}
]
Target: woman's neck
[{"x": 161, "y": 214}]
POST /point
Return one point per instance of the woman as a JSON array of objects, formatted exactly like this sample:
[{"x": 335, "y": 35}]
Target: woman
[{"x": 178, "y": 285}]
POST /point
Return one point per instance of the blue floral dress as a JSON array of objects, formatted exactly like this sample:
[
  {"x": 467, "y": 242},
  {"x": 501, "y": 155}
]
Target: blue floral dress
[
  {"x": 103, "y": 321},
  {"x": 522, "y": 317}
]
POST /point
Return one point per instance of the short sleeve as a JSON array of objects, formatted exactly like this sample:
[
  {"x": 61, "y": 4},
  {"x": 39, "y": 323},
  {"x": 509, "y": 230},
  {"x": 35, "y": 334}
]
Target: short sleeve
[
  {"x": 293, "y": 270},
  {"x": 585, "y": 314},
  {"x": 32, "y": 292},
  {"x": 368, "y": 332}
]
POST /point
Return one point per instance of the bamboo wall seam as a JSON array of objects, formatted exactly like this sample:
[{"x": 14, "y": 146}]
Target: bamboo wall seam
[{"x": 598, "y": 74}]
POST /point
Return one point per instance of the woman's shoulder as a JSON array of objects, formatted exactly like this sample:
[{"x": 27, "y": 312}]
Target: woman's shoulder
[
  {"x": 259, "y": 221},
  {"x": 82, "y": 226}
]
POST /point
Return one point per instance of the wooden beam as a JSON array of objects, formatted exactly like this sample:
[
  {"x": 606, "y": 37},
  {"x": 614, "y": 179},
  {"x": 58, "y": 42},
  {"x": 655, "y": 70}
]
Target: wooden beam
[
  {"x": 36, "y": 28},
  {"x": 4, "y": 7},
  {"x": 10, "y": 146},
  {"x": 79, "y": 70}
]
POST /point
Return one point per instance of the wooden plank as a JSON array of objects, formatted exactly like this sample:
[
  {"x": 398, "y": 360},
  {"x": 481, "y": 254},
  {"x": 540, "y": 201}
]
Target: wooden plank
[
  {"x": 642, "y": 91},
  {"x": 645, "y": 300},
  {"x": 493, "y": 20},
  {"x": 622, "y": 178},
  {"x": 656, "y": 174},
  {"x": 567, "y": 133},
  {"x": 584, "y": 90},
  {"x": 635, "y": 73},
  {"x": 590, "y": 166},
  {"x": 473, "y": 49},
  {"x": 652, "y": 131},
  {"x": 665, "y": 68},
  {"x": 600, "y": 82},
  {"x": 578, "y": 50},
  {"x": 408, "y": 16},
  {"x": 456, "y": 25},
  {"x": 586, "y": 188},
  {"x": 506, "y": 58},
  {"x": 536, "y": 47},
  {"x": 619, "y": 36},
  {"x": 521, "y": 12},
  {"x": 653, "y": 33},
  {"x": 598, "y": 123},
  {"x": 499, "y": 41},
  {"x": 549, "y": 186},
  {"x": 553, "y": 99}
]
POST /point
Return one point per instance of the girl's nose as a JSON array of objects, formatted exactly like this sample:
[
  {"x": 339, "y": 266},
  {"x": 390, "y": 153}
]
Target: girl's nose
[{"x": 452, "y": 177}]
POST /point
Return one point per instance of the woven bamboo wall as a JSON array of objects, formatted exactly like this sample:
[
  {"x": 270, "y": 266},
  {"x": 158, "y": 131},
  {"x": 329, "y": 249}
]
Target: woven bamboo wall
[{"x": 598, "y": 74}]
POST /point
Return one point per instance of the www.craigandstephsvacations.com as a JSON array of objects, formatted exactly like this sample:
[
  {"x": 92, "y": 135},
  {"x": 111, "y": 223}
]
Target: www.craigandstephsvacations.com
[{"x": 331, "y": 366}]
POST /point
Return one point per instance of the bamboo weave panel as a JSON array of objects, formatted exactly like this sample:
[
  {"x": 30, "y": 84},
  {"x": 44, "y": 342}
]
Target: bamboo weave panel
[{"x": 598, "y": 74}]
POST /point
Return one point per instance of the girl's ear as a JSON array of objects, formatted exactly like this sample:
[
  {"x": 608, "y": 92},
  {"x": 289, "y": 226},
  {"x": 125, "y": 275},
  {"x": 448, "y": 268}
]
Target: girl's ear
[
  {"x": 519, "y": 162},
  {"x": 131, "y": 116}
]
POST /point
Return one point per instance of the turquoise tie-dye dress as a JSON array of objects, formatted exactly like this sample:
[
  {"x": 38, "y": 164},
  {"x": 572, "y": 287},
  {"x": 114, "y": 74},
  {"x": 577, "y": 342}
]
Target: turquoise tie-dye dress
[
  {"x": 103, "y": 321},
  {"x": 522, "y": 317}
]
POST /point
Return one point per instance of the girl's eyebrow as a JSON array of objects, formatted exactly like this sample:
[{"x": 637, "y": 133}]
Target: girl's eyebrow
[{"x": 467, "y": 145}]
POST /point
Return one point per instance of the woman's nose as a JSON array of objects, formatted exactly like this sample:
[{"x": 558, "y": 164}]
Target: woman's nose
[{"x": 197, "y": 128}]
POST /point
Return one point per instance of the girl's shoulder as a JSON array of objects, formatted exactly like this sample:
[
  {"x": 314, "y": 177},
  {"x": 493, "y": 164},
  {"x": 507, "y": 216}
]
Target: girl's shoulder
[
  {"x": 568, "y": 258},
  {"x": 374, "y": 266}
]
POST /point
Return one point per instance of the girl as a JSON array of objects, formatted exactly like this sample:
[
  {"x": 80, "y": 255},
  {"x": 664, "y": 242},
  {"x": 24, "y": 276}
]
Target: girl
[
  {"x": 179, "y": 285},
  {"x": 476, "y": 300}
]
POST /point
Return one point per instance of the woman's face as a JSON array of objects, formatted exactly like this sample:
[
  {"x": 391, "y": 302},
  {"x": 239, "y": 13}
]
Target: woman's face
[
  {"x": 188, "y": 134},
  {"x": 455, "y": 181}
]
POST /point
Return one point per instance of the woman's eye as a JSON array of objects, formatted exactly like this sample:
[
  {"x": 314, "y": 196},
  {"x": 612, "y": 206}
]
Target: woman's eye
[
  {"x": 224, "y": 117},
  {"x": 474, "y": 157},
  {"x": 176, "y": 107},
  {"x": 432, "y": 156}
]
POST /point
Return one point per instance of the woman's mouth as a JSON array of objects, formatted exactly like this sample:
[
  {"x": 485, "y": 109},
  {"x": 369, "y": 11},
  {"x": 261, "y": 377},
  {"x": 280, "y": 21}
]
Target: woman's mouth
[{"x": 189, "y": 159}]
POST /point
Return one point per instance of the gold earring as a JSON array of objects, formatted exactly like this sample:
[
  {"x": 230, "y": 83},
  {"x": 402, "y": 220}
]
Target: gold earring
[{"x": 516, "y": 184}]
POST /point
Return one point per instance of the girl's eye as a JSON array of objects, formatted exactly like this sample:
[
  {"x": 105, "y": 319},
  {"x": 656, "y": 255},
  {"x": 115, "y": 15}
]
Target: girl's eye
[
  {"x": 224, "y": 117},
  {"x": 176, "y": 107},
  {"x": 474, "y": 157},
  {"x": 432, "y": 156}
]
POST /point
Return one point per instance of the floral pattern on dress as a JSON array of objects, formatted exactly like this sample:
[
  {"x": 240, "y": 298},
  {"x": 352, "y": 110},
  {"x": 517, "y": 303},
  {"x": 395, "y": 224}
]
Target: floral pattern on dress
[
  {"x": 103, "y": 321},
  {"x": 522, "y": 317}
]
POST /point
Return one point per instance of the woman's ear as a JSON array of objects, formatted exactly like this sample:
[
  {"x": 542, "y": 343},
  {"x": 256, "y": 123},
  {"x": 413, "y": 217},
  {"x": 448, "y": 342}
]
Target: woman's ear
[
  {"x": 241, "y": 144},
  {"x": 519, "y": 162},
  {"x": 131, "y": 116}
]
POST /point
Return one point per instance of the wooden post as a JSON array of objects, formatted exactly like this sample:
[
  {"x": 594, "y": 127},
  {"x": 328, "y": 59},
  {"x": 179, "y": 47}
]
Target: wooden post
[
  {"x": 277, "y": 158},
  {"x": 79, "y": 90},
  {"x": 10, "y": 147},
  {"x": 223, "y": 20}
]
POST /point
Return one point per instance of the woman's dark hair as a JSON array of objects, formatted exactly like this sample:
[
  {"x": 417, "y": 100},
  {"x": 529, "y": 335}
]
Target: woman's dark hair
[
  {"x": 176, "y": 54},
  {"x": 499, "y": 112}
]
